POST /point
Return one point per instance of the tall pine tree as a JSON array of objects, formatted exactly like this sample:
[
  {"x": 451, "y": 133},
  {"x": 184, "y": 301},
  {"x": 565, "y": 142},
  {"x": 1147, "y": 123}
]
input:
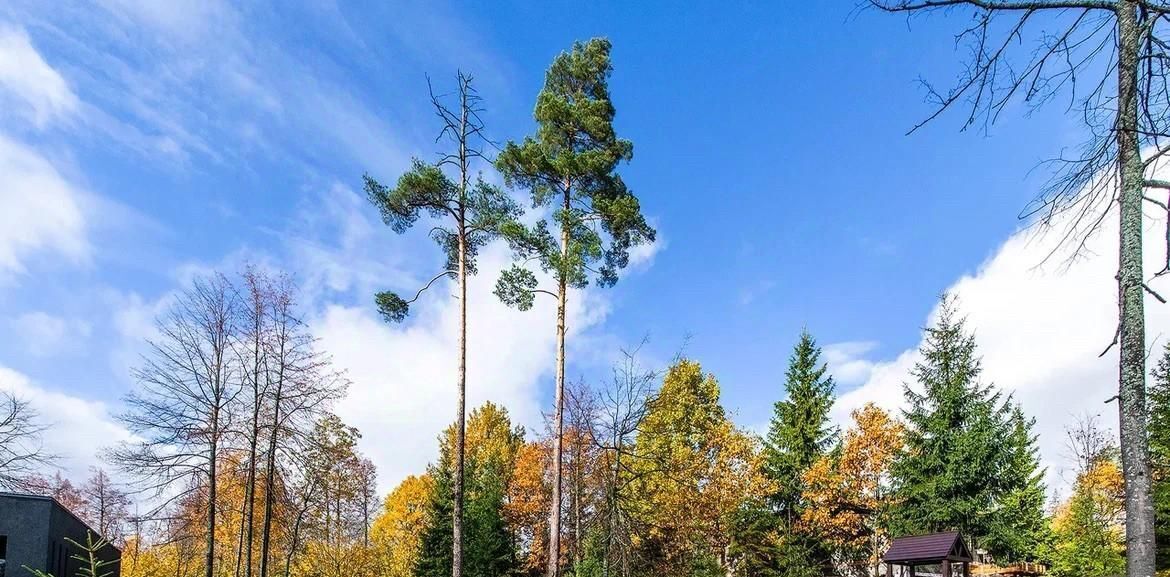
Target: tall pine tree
[
  {"x": 970, "y": 459},
  {"x": 799, "y": 434},
  {"x": 569, "y": 166}
]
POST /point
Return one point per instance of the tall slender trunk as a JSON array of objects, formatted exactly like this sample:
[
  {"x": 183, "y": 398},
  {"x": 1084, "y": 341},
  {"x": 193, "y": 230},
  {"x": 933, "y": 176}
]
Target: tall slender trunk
[
  {"x": 461, "y": 411},
  {"x": 270, "y": 471},
  {"x": 240, "y": 538},
  {"x": 554, "y": 516},
  {"x": 1139, "y": 518},
  {"x": 213, "y": 456},
  {"x": 253, "y": 440}
]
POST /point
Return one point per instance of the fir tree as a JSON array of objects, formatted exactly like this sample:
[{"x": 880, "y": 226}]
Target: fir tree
[
  {"x": 799, "y": 434},
  {"x": 1019, "y": 527},
  {"x": 970, "y": 454},
  {"x": 488, "y": 548}
]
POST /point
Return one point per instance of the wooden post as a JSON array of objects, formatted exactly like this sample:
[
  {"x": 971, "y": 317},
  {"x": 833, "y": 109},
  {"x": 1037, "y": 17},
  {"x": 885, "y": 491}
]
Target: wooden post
[
  {"x": 912, "y": 568},
  {"x": 889, "y": 570},
  {"x": 946, "y": 568},
  {"x": 966, "y": 569}
]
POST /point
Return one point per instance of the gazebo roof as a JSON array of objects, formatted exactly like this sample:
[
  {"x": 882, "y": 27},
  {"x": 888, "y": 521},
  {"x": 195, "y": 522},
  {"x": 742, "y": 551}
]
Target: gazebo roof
[{"x": 923, "y": 549}]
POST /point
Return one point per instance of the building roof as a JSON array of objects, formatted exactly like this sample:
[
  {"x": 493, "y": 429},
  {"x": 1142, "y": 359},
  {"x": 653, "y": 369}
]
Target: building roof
[
  {"x": 56, "y": 503},
  {"x": 921, "y": 549}
]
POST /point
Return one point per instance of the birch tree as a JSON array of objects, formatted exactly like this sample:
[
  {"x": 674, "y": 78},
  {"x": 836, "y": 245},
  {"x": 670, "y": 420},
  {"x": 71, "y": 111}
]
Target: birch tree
[
  {"x": 569, "y": 166},
  {"x": 470, "y": 214},
  {"x": 1110, "y": 58}
]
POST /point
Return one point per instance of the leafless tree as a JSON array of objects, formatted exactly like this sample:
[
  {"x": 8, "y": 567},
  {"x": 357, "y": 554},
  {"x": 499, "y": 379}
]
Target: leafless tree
[
  {"x": 621, "y": 408},
  {"x": 1109, "y": 58},
  {"x": 107, "y": 506},
  {"x": 1087, "y": 444},
  {"x": 179, "y": 413},
  {"x": 301, "y": 384},
  {"x": 21, "y": 452},
  {"x": 252, "y": 352}
]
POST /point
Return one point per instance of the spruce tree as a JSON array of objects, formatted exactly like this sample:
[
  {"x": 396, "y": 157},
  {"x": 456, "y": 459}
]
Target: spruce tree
[
  {"x": 1019, "y": 528},
  {"x": 799, "y": 434},
  {"x": 970, "y": 455},
  {"x": 488, "y": 547}
]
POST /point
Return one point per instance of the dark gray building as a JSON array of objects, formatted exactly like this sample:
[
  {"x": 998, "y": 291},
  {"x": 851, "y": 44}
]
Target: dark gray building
[{"x": 33, "y": 530}]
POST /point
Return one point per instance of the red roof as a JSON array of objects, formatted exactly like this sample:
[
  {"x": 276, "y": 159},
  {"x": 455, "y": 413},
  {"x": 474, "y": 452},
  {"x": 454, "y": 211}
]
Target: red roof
[{"x": 927, "y": 548}]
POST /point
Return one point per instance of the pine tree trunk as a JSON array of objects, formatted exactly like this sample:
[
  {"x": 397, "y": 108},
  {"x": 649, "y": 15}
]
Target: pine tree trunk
[
  {"x": 460, "y": 418},
  {"x": 1139, "y": 518},
  {"x": 554, "y": 516}
]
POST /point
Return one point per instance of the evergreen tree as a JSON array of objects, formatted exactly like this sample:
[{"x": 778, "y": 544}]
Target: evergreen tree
[
  {"x": 472, "y": 214},
  {"x": 488, "y": 549},
  {"x": 1159, "y": 399},
  {"x": 970, "y": 454},
  {"x": 1019, "y": 527},
  {"x": 799, "y": 434},
  {"x": 570, "y": 166}
]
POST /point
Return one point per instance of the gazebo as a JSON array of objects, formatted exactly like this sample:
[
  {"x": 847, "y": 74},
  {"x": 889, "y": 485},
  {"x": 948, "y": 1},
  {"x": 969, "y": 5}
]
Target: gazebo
[{"x": 933, "y": 549}]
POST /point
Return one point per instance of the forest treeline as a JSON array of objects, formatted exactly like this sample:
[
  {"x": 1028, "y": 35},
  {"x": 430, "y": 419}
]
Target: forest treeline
[{"x": 659, "y": 480}]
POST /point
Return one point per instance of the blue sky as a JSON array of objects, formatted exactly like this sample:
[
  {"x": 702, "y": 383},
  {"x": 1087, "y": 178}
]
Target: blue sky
[{"x": 147, "y": 142}]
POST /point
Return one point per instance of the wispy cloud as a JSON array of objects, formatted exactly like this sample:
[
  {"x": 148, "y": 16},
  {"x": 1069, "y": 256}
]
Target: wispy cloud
[
  {"x": 41, "y": 211},
  {"x": 29, "y": 87}
]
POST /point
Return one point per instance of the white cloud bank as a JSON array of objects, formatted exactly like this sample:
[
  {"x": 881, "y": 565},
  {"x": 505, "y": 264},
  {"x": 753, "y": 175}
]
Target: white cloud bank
[
  {"x": 403, "y": 376},
  {"x": 1040, "y": 328}
]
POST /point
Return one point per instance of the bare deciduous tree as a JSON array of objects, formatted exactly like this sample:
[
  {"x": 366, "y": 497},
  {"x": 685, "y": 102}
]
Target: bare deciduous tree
[
  {"x": 179, "y": 414},
  {"x": 621, "y": 408},
  {"x": 301, "y": 384},
  {"x": 21, "y": 451},
  {"x": 107, "y": 507},
  {"x": 1110, "y": 58}
]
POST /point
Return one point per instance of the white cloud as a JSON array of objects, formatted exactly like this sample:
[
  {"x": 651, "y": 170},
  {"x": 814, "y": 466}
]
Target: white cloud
[
  {"x": 403, "y": 390},
  {"x": 42, "y": 334},
  {"x": 1040, "y": 328},
  {"x": 78, "y": 429},
  {"x": 847, "y": 363},
  {"x": 28, "y": 84},
  {"x": 41, "y": 210}
]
